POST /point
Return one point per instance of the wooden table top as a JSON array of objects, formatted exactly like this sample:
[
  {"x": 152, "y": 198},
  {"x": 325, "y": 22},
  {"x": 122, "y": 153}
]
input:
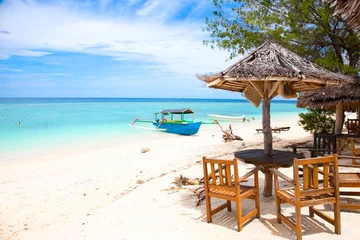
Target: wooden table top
[{"x": 280, "y": 158}]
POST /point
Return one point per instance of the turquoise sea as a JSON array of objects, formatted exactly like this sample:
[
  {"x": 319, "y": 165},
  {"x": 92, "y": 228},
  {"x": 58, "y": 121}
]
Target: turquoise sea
[{"x": 50, "y": 122}]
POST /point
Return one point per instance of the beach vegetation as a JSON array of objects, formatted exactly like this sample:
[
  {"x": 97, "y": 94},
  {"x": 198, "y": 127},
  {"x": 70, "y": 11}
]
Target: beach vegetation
[
  {"x": 318, "y": 120},
  {"x": 309, "y": 28}
]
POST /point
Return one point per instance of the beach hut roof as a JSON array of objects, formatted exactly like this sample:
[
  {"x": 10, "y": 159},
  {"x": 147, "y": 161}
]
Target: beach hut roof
[
  {"x": 347, "y": 94},
  {"x": 349, "y": 10},
  {"x": 272, "y": 62}
]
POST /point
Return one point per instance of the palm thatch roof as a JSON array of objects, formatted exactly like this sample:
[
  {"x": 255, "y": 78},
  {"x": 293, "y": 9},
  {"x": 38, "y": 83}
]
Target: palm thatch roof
[
  {"x": 349, "y": 10},
  {"x": 347, "y": 94},
  {"x": 271, "y": 62}
]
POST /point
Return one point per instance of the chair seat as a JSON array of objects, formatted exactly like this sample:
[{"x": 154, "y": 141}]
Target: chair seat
[
  {"x": 349, "y": 179},
  {"x": 289, "y": 195},
  {"x": 243, "y": 191}
]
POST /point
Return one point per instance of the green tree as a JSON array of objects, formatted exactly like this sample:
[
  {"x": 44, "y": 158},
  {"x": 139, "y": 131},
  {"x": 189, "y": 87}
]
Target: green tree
[
  {"x": 318, "y": 120},
  {"x": 307, "y": 27}
]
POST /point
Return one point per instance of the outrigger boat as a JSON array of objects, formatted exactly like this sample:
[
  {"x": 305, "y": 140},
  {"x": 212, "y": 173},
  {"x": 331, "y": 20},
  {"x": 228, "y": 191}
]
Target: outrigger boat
[
  {"x": 166, "y": 120},
  {"x": 228, "y": 118}
]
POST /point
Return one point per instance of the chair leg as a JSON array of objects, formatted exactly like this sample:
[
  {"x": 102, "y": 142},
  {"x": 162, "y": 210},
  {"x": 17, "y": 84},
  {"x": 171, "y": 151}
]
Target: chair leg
[
  {"x": 257, "y": 203},
  {"x": 229, "y": 206},
  {"x": 311, "y": 212},
  {"x": 298, "y": 223},
  {"x": 239, "y": 214},
  {"x": 278, "y": 209},
  {"x": 337, "y": 218},
  {"x": 208, "y": 209}
]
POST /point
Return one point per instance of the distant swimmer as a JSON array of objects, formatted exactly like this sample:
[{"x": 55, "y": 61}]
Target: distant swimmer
[
  {"x": 19, "y": 123},
  {"x": 253, "y": 118}
]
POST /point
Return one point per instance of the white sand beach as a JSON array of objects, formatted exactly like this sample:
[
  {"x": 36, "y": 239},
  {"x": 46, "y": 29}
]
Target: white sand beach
[{"x": 110, "y": 190}]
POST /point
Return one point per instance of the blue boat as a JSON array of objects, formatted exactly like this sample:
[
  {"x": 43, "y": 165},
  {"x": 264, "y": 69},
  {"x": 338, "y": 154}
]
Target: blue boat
[{"x": 173, "y": 121}]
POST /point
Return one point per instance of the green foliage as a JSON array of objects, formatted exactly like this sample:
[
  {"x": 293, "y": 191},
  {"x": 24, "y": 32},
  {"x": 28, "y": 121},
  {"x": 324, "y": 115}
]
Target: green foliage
[
  {"x": 317, "y": 120},
  {"x": 307, "y": 27}
]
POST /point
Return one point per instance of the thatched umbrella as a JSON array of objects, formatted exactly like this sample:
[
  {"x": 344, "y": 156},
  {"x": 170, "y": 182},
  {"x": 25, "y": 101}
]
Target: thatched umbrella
[
  {"x": 349, "y": 10},
  {"x": 344, "y": 97},
  {"x": 268, "y": 71}
]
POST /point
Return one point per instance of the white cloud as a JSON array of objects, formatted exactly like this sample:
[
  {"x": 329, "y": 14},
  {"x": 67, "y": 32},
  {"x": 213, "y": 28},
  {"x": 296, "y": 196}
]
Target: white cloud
[
  {"x": 148, "y": 7},
  {"x": 29, "y": 53},
  {"x": 176, "y": 46}
]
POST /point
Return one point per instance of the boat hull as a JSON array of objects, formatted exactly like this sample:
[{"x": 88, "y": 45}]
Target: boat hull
[
  {"x": 182, "y": 128},
  {"x": 227, "y": 118}
]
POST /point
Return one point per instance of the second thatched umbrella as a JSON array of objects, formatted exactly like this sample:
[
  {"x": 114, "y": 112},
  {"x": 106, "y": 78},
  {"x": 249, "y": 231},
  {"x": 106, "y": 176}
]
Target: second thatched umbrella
[
  {"x": 269, "y": 71},
  {"x": 344, "y": 97}
]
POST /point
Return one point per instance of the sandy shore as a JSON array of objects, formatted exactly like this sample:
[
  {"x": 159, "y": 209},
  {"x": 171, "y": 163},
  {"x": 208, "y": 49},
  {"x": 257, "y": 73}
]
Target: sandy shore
[{"x": 110, "y": 190}]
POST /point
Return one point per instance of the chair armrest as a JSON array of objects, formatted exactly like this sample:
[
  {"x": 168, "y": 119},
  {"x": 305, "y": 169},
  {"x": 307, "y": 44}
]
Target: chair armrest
[
  {"x": 348, "y": 157},
  {"x": 242, "y": 178},
  {"x": 349, "y": 165},
  {"x": 281, "y": 175}
]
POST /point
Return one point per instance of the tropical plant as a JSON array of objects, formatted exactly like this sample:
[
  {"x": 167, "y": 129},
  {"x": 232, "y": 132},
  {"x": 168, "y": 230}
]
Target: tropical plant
[
  {"x": 317, "y": 120},
  {"x": 308, "y": 28}
]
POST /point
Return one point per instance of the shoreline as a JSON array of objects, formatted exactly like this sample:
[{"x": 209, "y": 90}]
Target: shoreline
[{"x": 55, "y": 190}]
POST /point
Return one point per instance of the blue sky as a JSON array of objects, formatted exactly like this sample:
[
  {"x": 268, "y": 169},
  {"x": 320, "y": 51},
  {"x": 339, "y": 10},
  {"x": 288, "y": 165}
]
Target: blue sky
[{"x": 106, "y": 48}]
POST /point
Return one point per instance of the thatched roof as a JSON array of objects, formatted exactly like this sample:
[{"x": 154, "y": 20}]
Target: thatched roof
[
  {"x": 349, "y": 10},
  {"x": 271, "y": 62},
  {"x": 347, "y": 94}
]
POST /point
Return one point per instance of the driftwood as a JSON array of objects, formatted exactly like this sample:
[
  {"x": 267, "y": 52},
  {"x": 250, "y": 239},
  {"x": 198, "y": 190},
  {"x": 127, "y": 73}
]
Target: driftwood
[{"x": 229, "y": 136}]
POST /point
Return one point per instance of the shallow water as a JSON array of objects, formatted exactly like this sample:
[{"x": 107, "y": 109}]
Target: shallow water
[{"x": 52, "y": 122}]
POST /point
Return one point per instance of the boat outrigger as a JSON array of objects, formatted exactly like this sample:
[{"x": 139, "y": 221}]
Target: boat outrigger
[
  {"x": 228, "y": 118},
  {"x": 166, "y": 120}
]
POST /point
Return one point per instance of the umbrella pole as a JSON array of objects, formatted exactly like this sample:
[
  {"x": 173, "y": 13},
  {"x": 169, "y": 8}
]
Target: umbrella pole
[
  {"x": 268, "y": 140},
  {"x": 268, "y": 184},
  {"x": 339, "y": 118}
]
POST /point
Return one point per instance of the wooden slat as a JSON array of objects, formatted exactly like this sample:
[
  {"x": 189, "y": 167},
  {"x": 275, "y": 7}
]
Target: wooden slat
[
  {"x": 326, "y": 175},
  {"x": 315, "y": 160},
  {"x": 219, "y": 161},
  {"x": 314, "y": 192},
  {"x": 315, "y": 176},
  {"x": 283, "y": 176},
  {"x": 247, "y": 175},
  {"x": 213, "y": 177},
  {"x": 323, "y": 216},
  {"x": 221, "y": 177},
  {"x": 221, "y": 196},
  {"x": 249, "y": 216},
  {"x": 222, "y": 188},
  {"x": 228, "y": 175},
  {"x": 218, "y": 209},
  {"x": 306, "y": 177},
  {"x": 314, "y": 202},
  {"x": 287, "y": 222}
]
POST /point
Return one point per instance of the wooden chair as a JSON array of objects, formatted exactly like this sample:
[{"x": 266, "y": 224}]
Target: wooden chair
[
  {"x": 224, "y": 188},
  {"x": 310, "y": 193},
  {"x": 353, "y": 126},
  {"x": 350, "y": 180},
  {"x": 354, "y": 151}
]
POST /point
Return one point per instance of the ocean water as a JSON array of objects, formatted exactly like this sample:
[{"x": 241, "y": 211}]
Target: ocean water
[{"x": 50, "y": 122}]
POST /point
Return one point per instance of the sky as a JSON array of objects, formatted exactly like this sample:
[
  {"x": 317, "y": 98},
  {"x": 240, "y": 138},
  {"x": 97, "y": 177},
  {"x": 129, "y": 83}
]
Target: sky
[{"x": 107, "y": 48}]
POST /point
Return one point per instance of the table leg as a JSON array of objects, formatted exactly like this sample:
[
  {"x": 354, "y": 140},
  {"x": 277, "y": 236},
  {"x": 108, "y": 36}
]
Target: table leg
[{"x": 268, "y": 183}]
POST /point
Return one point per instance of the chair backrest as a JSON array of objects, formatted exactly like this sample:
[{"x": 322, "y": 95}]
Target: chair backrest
[
  {"x": 311, "y": 174},
  {"x": 325, "y": 143},
  {"x": 221, "y": 169},
  {"x": 353, "y": 126}
]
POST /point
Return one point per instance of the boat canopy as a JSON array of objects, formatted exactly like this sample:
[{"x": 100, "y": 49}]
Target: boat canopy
[{"x": 177, "y": 111}]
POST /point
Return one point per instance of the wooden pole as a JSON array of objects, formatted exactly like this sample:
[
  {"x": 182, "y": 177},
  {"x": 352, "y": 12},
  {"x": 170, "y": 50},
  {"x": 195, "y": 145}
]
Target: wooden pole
[
  {"x": 268, "y": 140},
  {"x": 339, "y": 118}
]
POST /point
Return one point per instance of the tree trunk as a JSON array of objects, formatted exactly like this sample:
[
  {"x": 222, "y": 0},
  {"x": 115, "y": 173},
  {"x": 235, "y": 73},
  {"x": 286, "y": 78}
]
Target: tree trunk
[
  {"x": 268, "y": 140},
  {"x": 339, "y": 118}
]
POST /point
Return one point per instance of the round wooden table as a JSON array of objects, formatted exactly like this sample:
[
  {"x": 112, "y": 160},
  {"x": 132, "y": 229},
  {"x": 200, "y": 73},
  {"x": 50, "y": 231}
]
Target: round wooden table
[{"x": 279, "y": 158}]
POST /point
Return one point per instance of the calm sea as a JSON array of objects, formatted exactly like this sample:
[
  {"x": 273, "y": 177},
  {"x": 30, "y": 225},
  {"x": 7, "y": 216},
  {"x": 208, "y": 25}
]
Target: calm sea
[{"x": 47, "y": 122}]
